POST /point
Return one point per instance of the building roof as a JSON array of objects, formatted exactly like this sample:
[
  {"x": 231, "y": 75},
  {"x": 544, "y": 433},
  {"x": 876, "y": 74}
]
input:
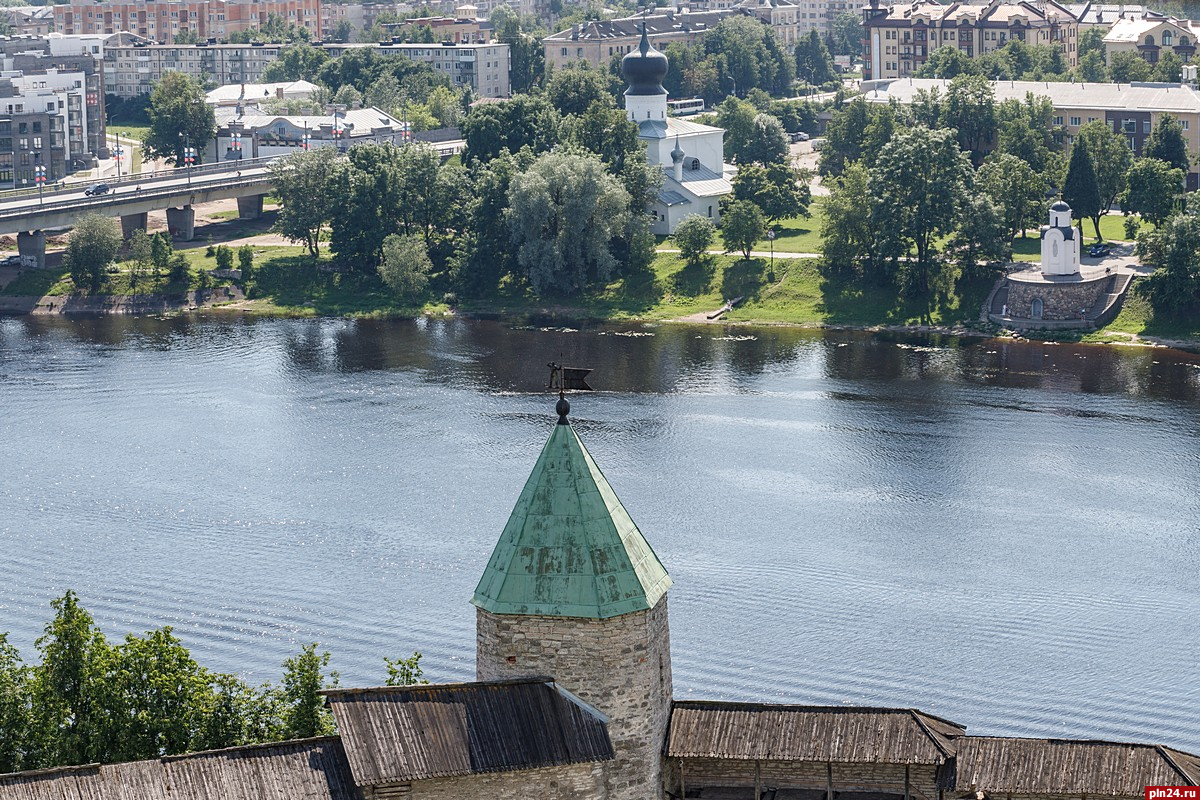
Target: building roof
[
  {"x": 1170, "y": 97},
  {"x": 251, "y": 92},
  {"x": 404, "y": 733},
  {"x": 570, "y": 549},
  {"x": 673, "y": 127},
  {"x": 842, "y": 734},
  {"x": 313, "y": 769},
  {"x": 1051, "y": 766},
  {"x": 1106, "y": 13},
  {"x": 697, "y": 181},
  {"x": 357, "y": 122},
  {"x": 1131, "y": 30},
  {"x": 656, "y": 25}
]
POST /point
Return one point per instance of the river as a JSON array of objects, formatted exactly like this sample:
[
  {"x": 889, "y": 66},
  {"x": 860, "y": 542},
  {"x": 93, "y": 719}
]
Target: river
[{"x": 1001, "y": 533}]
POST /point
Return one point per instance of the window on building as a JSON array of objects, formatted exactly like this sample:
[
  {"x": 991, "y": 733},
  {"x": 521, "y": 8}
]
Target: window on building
[
  {"x": 1183, "y": 123},
  {"x": 1075, "y": 121},
  {"x": 1058, "y": 120},
  {"x": 1145, "y": 126}
]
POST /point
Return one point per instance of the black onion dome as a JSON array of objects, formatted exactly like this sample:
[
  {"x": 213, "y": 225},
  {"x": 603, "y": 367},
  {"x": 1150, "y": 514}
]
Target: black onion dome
[
  {"x": 1059, "y": 205},
  {"x": 644, "y": 69}
]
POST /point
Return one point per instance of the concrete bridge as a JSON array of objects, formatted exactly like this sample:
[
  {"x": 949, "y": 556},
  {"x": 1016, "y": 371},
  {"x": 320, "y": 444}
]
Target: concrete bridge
[{"x": 133, "y": 198}]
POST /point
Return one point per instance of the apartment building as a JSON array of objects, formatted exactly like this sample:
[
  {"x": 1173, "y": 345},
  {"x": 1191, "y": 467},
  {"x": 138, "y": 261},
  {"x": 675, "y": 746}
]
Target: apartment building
[
  {"x": 1129, "y": 109},
  {"x": 133, "y": 69},
  {"x": 29, "y": 20},
  {"x": 163, "y": 20},
  {"x": 65, "y": 67},
  {"x": 482, "y": 67},
  {"x": 43, "y": 122},
  {"x": 1151, "y": 35},
  {"x": 459, "y": 30},
  {"x": 360, "y": 16},
  {"x": 598, "y": 41}
]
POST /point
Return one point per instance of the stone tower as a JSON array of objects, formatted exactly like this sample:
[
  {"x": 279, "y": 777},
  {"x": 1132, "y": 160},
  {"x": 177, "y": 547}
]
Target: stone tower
[{"x": 575, "y": 592}]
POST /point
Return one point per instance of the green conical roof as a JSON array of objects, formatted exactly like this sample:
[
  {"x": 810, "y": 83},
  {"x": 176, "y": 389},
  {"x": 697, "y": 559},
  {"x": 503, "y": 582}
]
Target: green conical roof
[{"x": 570, "y": 548}]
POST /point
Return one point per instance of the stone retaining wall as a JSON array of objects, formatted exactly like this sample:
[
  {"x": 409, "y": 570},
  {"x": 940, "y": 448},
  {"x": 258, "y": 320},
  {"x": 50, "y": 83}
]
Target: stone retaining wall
[{"x": 1060, "y": 301}]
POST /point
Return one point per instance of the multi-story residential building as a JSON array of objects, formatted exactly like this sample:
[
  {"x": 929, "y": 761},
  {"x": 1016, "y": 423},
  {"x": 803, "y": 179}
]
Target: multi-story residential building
[
  {"x": 1149, "y": 35},
  {"x": 359, "y": 16},
  {"x": 63, "y": 64},
  {"x": 30, "y": 20},
  {"x": 899, "y": 38},
  {"x": 597, "y": 42},
  {"x": 132, "y": 70},
  {"x": 1129, "y": 109},
  {"x": 459, "y": 30},
  {"x": 163, "y": 20},
  {"x": 482, "y": 67},
  {"x": 46, "y": 118}
]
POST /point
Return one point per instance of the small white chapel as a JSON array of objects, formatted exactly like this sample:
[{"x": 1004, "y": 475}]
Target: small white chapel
[{"x": 691, "y": 155}]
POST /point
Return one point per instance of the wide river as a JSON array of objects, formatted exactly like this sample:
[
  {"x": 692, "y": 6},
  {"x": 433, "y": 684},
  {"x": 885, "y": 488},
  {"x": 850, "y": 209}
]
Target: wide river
[{"x": 1004, "y": 534}]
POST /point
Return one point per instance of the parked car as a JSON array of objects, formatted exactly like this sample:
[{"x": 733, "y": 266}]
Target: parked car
[
  {"x": 1098, "y": 250},
  {"x": 799, "y": 136},
  {"x": 97, "y": 190},
  {"x": 12, "y": 261}
]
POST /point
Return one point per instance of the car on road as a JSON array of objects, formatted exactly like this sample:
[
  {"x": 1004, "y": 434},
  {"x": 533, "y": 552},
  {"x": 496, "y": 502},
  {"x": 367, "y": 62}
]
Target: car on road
[
  {"x": 12, "y": 261},
  {"x": 799, "y": 136},
  {"x": 97, "y": 190},
  {"x": 1098, "y": 250}
]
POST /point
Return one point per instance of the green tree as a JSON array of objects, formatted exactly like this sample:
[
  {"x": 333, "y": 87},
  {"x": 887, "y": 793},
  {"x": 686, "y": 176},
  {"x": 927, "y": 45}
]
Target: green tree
[
  {"x": 246, "y": 261},
  {"x": 92, "y": 246},
  {"x": 405, "y": 671},
  {"x": 970, "y": 108},
  {"x": 160, "y": 251},
  {"x": 446, "y": 106},
  {"x": 768, "y": 143},
  {"x": 846, "y": 32},
  {"x": 303, "y": 680},
  {"x": 814, "y": 65},
  {"x": 16, "y": 707},
  {"x": 303, "y": 181},
  {"x": 1174, "y": 249},
  {"x": 847, "y": 235},
  {"x": 857, "y": 131},
  {"x": 405, "y": 266},
  {"x": 487, "y": 254},
  {"x": 778, "y": 189},
  {"x": 1169, "y": 68},
  {"x": 1091, "y": 40},
  {"x": 141, "y": 251},
  {"x": 1092, "y": 67},
  {"x": 920, "y": 179},
  {"x": 736, "y": 118},
  {"x": 574, "y": 89},
  {"x": 224, "y": 257},
  {"x": 564, "y": 212},
  {"x": 1167, "y": 143},
  {"x": 1016, "y": 190},
  {"x": 746, "y": 54},
  {"x": 70, "y": 687},
  {"x": 1128, "y": 66},
  {"x": 742, "y": 225},
  {"x": 1111, "y": 156},
  {"x": 980, "y": 235},
  {"x": 1154, "y": 188},
  {"x": 946, "y": 62},
  {"x": 1027, "y": 131},
  {"x": 524, "y": 121},
  {"x": 179, "y": 117},
  {"x": 1081, "y": 190},
  {"x": 693, "y": 236}
]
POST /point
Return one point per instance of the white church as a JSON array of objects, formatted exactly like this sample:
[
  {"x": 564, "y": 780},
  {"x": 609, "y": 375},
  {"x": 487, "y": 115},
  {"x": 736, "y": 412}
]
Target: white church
[
  {"x": 1060, "y": 242},
  {"x": 691, "y": 155}
]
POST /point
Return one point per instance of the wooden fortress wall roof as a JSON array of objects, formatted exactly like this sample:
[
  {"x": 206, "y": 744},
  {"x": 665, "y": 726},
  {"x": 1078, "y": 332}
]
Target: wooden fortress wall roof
[
  {"x": 842, "y": 734},
  {"x": 405, "y": 733},
  {"x": 1066, "y": 766},
  {"x": 305, "y": 769}
]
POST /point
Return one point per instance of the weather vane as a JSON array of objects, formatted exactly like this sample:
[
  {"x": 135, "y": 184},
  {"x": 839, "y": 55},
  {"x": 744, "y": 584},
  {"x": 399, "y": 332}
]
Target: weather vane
[{"x": 563, "y": 379}]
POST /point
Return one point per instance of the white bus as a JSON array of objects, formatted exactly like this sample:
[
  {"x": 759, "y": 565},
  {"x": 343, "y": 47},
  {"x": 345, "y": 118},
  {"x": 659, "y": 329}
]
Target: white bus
[{"x": 681, "y": 108}]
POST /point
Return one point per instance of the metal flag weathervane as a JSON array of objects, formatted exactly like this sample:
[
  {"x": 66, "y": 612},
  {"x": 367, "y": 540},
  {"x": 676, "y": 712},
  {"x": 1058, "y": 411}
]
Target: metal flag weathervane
[{"x": 564, "y": 379}]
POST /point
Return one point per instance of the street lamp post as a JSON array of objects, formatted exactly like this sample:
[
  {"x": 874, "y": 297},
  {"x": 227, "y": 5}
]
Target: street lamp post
[
  {"x": 189, "y": 156},
  {"x": 771, "y": 239}
]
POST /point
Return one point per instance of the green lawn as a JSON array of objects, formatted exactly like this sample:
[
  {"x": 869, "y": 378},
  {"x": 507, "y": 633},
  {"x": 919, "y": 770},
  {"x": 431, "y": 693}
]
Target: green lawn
[
  {"x": 1137, "y": 317},
  {"x": 792, "y": 235},
  {"x": 139, "y": 132}
]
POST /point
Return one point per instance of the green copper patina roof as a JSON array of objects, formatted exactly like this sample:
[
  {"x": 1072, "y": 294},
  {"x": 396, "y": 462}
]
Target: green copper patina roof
[{"x": 570, "y": 548}]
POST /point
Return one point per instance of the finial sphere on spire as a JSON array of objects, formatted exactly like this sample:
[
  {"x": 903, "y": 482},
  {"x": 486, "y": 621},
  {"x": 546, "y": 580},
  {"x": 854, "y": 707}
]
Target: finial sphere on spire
[{"x": 562, "y": 408}]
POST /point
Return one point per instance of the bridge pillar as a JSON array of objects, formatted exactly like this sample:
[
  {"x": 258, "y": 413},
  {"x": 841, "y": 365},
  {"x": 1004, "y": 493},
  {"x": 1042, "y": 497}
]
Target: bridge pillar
[
  {"x": 133, "y": 222},
  {"x": 250, "y": 207},
  {"x": 181, "y": 222},
  {"x": 33, "y": 243}
]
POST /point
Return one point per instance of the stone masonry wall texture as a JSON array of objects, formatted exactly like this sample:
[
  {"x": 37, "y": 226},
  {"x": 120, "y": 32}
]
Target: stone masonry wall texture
[
  {"x": 1059, "y": 300},
  {"x": 621, "y": 666},
  {"x": 572, "y": 782}
]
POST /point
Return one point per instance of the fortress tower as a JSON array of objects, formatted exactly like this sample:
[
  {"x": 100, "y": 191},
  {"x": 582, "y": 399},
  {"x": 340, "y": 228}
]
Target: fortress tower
[{"x": 573, "y": 591}]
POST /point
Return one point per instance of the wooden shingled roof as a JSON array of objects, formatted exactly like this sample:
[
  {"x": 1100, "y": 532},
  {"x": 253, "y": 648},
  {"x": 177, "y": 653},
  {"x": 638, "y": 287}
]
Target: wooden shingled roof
[
  {"x": 405, "y": 733},
  {"x": 758, "y": 731},
  {"x": 1067, "y": 766},
  {"x": 305, "y": 769}
]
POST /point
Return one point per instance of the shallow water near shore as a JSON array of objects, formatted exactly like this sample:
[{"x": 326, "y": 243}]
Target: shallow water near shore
[{"x": 1001, "y": 533}]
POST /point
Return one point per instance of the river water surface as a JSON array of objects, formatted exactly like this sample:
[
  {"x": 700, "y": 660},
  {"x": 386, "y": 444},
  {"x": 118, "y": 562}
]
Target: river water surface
[{"x": 1004, "y": 534}]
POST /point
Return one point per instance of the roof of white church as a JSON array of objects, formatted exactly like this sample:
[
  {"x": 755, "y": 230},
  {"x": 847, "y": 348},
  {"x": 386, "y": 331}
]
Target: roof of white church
[
  {"x": 673, "y": 126},
  {"x": 699, "y": 182}
]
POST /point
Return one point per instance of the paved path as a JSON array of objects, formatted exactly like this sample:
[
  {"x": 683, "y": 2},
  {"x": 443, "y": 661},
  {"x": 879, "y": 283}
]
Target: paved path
[{"x": 753, "y": 253}]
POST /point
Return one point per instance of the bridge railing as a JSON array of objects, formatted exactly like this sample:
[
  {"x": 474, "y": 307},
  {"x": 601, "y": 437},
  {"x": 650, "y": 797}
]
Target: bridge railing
[
  {"x": 140, "y": 178},
  {"x": 140, "y": 193}
]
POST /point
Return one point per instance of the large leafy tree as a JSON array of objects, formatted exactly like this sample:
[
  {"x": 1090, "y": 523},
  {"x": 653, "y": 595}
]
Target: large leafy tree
[
  {"x": 693, "y": 236},
  {"x": 406, "y": 265},
  {"x": 1111, "y": 156},
  {"x": 1153, "y": 190},
  {"x": 367, "y": 189},
  {"x": 564, "y": 212},
  {"x": 1167, "y": 143},
  {"x": 574, "y": 89},
  {"x": 742, "y": 225},
  {"x": 814, "y": 65},
  {"x": 946, "y": 61},
  {"x": 16, "y": 707},
  {"x": 1129, "y": 66},
  {"x": 524, "y": 121},
  {"x": 1081, "y": 190},
  {"x": 747, "y": 55},
  {"x": 970, "y": 108},
  {"x": 296, "y": 62},
  {"x": 179, "y": 118},
  {"x": 920, "y": 180},
  {"x": 1015, "y": 189},
  {"x": 778, "y": 189},
  {"x": 92, "y": 246},
  {"x": 1174, "y": 249},
  {"x": 1027, "y": 131},
  {"x": 304, "y": 677},
  {"x": 979, "y": 236},
  {"x": 846, "y": 33},
  {"x": 303, "y": 181},
  {"x": 847, "y": 233}
]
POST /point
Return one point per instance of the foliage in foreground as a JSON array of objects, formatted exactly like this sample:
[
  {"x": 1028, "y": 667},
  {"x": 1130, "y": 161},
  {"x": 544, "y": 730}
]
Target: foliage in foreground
[{"x": 90, "y": 700}]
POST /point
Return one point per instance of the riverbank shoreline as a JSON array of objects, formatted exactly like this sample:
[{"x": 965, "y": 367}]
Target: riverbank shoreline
[{"x": 231, "y": 300}]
